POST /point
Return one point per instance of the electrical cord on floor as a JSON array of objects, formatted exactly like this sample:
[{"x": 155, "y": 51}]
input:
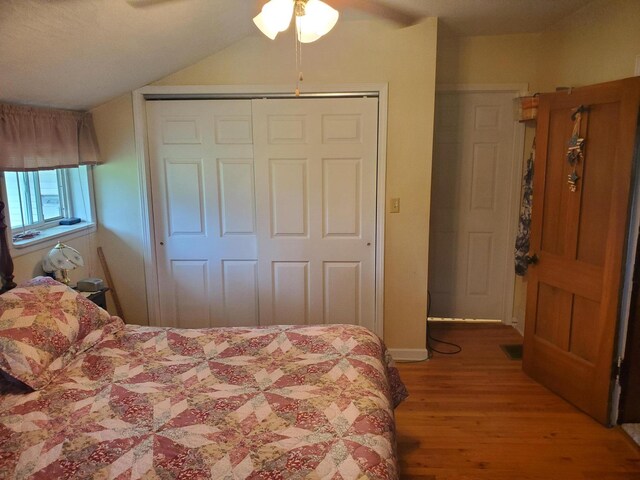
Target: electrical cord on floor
[{"x": 430, "y": 348}]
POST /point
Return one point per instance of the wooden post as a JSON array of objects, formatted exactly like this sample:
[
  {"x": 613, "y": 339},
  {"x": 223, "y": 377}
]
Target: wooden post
[
  {"x": 112, "y": 287},
  {"x": 6, "y": 263}
]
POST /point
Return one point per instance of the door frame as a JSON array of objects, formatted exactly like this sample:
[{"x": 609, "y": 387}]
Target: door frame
[
  {"x": 517, "y": 90},
  {"x": 183, "y": 92},
  {"x": 630, "y": 264}
]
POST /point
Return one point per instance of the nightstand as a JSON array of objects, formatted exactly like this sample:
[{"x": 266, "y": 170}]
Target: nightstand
[{"x": 98, "y": 297}]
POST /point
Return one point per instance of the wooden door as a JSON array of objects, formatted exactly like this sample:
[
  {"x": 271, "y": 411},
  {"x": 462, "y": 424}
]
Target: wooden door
[
  {"x": 316, "y": 163},
  {"x": 470, "y": 253},
  {"x": 202, "y": 178},
  {"x": 579, "y": 239}
]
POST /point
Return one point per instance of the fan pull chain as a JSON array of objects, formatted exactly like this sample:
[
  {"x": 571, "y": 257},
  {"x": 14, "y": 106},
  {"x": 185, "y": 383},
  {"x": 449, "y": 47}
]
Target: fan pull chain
[{"x": 298, "y": 60}]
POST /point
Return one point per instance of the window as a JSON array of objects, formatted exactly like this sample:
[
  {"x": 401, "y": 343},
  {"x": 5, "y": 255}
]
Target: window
[{"x": 38, "y": 200}]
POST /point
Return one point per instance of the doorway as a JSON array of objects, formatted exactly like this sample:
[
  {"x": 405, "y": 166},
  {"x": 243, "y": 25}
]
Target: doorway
[{"x": 474, "y": 204}]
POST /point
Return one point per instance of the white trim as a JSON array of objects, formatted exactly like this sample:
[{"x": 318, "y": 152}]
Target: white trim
[
  {"x": 513, "y": 219},
  {"x": 144, "y": 179},
  {"x": 50, "y": 236},
  {"x": 257, "y": 91},
  {"x": 519, "y": 326},
  {"x": 637, "y": 71},
  {"x": 517, "y": 89},
  {"x": 409, "y": 354},
  {"x": 381, "y": 197}
]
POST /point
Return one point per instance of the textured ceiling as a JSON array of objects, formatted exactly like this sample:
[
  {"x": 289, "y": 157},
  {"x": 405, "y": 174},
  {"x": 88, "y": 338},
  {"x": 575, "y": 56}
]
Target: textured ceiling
[{"x": 80, "y": 53}]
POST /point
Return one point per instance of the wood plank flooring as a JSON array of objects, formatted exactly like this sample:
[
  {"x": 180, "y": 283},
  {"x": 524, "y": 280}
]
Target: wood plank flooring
[{"x": 476, "y": 415}]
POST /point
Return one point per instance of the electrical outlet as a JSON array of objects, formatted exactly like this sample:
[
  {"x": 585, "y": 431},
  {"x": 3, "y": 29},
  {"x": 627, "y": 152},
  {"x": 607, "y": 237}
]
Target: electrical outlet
[{"x": 395, "y": 205}]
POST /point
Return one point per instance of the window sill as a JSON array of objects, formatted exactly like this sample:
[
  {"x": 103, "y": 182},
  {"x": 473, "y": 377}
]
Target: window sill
[{"x": 67, "y": 232}]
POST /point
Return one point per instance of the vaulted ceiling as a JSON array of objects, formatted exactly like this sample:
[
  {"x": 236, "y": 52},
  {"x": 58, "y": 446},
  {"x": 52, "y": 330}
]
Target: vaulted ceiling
[{"x": 80, "y": 53}]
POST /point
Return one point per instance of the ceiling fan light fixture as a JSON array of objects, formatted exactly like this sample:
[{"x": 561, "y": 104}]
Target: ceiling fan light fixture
[
  {"x": 319, "y": 17},
  {"x": 264, "y": 27},
  {"x": 274, "y": 17},
  {"x": 314, "y": 18},
  {"x": 304, "y": 32}
]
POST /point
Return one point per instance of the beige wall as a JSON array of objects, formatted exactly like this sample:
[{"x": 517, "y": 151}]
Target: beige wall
[
  {"x": 488, "y": 59},
  {"x": 596, "y": 44},
  {"x": 355, "y": 52},
  {"x": 118, "y": 206}
]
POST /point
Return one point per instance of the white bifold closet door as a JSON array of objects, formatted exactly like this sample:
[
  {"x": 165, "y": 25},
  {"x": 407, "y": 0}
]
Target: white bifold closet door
[
  {"x": 264, "y": 210},
  {"x": 315, "y": 162},
  {"x": 201, "y": 164}
]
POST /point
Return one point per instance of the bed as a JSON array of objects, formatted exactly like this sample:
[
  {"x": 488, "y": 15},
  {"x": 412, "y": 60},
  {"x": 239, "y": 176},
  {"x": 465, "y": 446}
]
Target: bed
[{"x": 86, "y": 396}]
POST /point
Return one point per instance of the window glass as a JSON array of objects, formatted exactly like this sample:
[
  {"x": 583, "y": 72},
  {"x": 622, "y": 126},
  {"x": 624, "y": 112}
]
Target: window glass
[
  {"x": 13, "y": 197},
  {"x": 50, "y": 194}
]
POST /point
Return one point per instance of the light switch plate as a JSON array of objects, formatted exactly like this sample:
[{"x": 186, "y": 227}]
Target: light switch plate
[{"x": 395, "y": 205}]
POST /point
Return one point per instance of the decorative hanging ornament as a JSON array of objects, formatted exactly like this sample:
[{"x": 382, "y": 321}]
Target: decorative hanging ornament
[{"x": 575, "y": 150}]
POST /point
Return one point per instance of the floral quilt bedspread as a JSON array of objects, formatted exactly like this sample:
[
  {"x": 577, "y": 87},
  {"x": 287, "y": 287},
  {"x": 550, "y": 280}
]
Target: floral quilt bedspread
[{"x": 236, "y": 403}]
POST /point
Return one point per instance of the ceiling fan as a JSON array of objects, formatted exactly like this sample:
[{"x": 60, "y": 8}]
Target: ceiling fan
[
  {"x": 313, "y": 18},
  {"x": 378, "y": 8}
]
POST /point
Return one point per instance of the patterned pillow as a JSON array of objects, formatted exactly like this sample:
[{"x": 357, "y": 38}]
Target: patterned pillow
[{"x": 43, "y": 324}]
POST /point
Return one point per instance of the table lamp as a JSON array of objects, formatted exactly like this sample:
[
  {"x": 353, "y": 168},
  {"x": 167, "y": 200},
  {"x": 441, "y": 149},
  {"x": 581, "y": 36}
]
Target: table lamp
[{"x": 63, "y": 258}]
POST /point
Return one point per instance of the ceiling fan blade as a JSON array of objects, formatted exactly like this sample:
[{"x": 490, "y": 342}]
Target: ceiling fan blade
[{"x": 379, "y": 9}]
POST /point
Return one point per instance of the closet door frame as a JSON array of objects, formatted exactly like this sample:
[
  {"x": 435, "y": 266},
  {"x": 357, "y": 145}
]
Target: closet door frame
[{"x": 140, "y": 97}]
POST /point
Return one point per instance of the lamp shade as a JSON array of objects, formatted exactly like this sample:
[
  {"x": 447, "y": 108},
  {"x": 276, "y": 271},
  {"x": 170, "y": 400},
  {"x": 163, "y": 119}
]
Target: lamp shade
[
  {"x": 274, "y": 17},
  {"x": 62, "y": 257},
  {"x": 318, "y": 20}
]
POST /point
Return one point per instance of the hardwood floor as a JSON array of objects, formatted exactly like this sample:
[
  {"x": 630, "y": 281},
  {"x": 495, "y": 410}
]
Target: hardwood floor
[{"x": 476, "y": 415}]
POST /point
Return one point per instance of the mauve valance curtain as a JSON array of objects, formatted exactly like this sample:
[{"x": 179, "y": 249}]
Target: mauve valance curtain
[{"x": 41, "y": 138}]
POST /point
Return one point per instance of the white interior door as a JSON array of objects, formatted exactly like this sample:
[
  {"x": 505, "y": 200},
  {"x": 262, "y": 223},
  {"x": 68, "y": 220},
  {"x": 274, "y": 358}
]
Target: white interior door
[
  {"x": 201, "y": 164},
  {"x": 315, "y": 163},
  {"x": 473, "y": 167}
]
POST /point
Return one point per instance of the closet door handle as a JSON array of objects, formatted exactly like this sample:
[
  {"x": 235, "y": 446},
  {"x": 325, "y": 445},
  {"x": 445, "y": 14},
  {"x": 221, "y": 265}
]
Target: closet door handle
[{"x": 532, "y": 259}]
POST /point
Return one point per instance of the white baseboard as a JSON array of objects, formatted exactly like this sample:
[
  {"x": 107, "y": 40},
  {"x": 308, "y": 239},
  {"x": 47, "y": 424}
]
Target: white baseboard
[
  {"x": 409, "y": 354},
  {"x": 518, "y": 325}
]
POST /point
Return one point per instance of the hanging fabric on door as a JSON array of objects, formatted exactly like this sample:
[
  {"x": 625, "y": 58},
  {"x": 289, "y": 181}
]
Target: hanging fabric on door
[{"x": 524, "y": 225}]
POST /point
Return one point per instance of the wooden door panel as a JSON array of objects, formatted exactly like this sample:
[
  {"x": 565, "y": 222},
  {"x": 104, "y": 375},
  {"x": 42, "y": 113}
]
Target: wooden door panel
[
  {"x": 582, "y": 277},
  {"x": 574, "y": 290},
  {"x": 553, "y": 315},
  {"x": 556, "y": 204},
  {"x": 597, "y": 184},
  {"x": 584, "y": 323}
]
